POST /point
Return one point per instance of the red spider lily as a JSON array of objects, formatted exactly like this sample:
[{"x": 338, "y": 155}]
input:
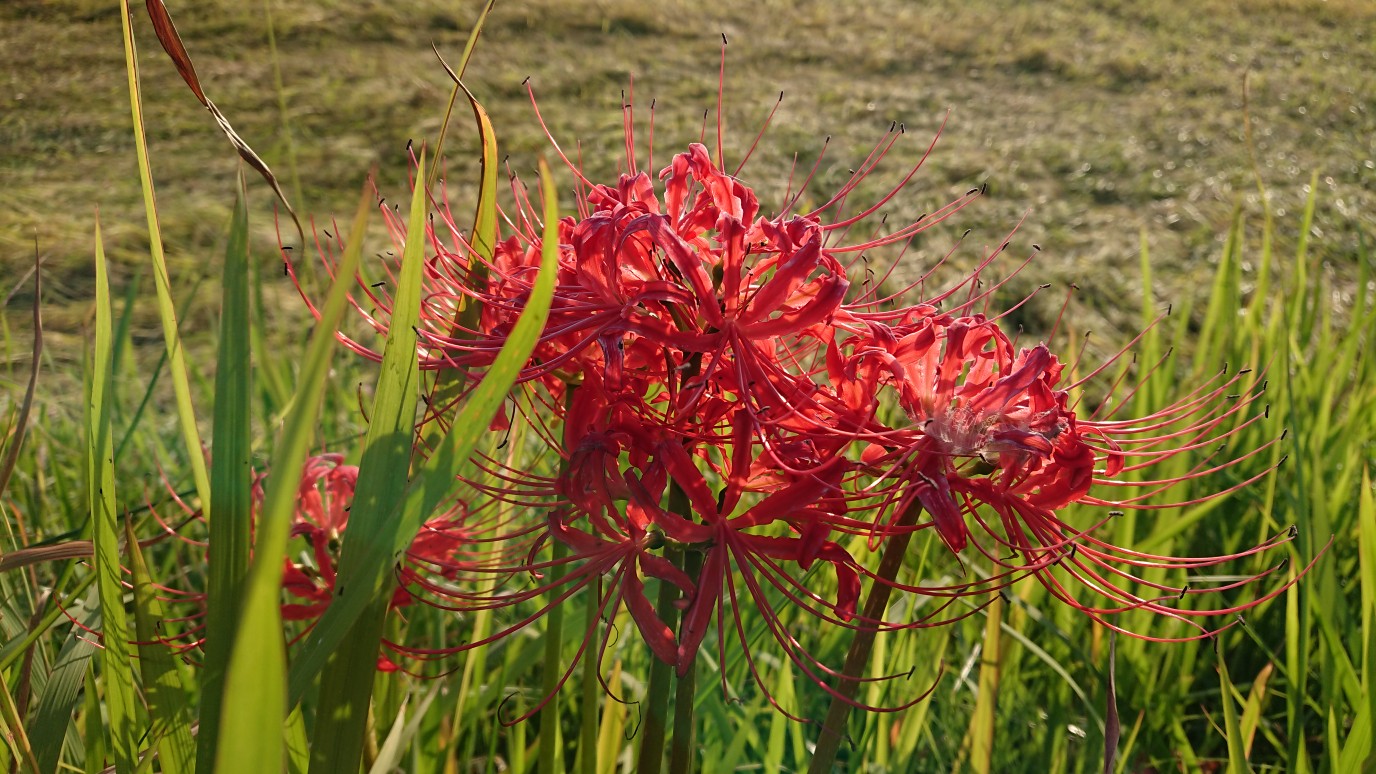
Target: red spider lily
[
  {"x": 738, "y": 396},
  {"x": 320, "y": 520},
  {"x": 322, "y": 516}
]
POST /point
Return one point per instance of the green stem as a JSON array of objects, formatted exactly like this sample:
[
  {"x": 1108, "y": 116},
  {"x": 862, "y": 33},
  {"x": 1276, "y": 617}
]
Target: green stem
[
  {"x": 662, "y": 674},
  {"x": 834, "y": 728},
  {"x": 587, "y": 742},
  {"x": 682, "y": 750},
  {"x": 657, "y": 696},
  {"x": 554, "y": 638}
]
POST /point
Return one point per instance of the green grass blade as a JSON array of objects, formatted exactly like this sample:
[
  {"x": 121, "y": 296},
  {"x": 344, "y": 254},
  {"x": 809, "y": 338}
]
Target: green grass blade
[
  {"x": 15, "y": 733},
  {"x": 346, "y": 685},
  {"x": 454, "y": 95},
  {"x": 403, "y": 731},
  {"x": 117, "y": 673},
  {"x": 483, "y": 236},
  {"x": 435, "y": 480},
  {"x": 230, "y": 479},
  {"x": 181, "y": 386},
  {"x": 254, "y": 707},
  {"x": 20, "y": 426},
  {"x": 170, "y": 712},
  {"x": 980, "y": 735},
  {"x": 56, "y": 705},
  {"x": 1366, "y": 549},
  {"x": 1237, "y": 746}
]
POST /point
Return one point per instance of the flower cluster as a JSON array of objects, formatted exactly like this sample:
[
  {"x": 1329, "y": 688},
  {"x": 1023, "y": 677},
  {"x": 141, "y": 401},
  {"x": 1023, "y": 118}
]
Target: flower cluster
[{"x": 734, "y": 405}]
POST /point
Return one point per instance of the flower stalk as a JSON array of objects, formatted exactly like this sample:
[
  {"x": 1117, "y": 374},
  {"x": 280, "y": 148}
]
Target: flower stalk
[{"x": 858, "y": 655}]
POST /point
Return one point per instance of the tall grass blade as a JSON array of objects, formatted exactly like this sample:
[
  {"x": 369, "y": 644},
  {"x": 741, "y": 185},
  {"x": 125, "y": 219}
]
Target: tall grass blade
[
  {"x": 117, "y": 675},
  {"x": 254, "y": 706},
  {"x": 15, "y": 734},
  {"x": 181, "y": 386},
  {"x": 1366, "y": 550},
  {"x": 483, "y": 236},
  {"x": 435, "y": 479},
  {"x": 346, "y": 684},
  {"x": 230, "y": 479},
  {"x": 980, "y": 735},
  {"x": 389, "y": 755}
]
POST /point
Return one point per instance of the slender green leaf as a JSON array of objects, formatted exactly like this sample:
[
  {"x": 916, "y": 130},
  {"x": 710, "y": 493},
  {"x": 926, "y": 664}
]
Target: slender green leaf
[
  {"x": 1366, "y": 549},
  {"x": 48, "y": 726},
  {"x": 980, "y": 734},
  {"x": 482, "y": 238},
  {"x": 15, "y": 734},
  {"x": 1237, "y": 745},
  {"x": 254, "y": 707},
  {"x": 454, "y": 95},
  {"x": 94, "y": 746},
  {"x": 434, "y": 481},
  {"x": 403, "y": 730},
  {"x": 346, "y": 685},
  {"x": 181, "y": 386},
  {"x": 117, "y": 675},
  {"x": 15, "y": 439},
  {"x": 230, "y": 479}
]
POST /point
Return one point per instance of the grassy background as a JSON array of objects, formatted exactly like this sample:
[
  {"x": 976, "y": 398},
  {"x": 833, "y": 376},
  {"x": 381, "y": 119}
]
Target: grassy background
[{"x": 1101, "y": 118}]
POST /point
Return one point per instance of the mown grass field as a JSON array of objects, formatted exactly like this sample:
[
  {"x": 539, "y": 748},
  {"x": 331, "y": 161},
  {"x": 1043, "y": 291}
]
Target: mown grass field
[
  {"x": 1099, "y": 120},
  {"x": 1217, "y": 157}
]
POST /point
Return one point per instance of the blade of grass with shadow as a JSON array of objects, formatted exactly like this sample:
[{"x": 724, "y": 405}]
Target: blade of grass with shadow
[
  {"x": 346, "y": 683},
  {"x": 454, "y": 95},
  {"x": 254, "y": 708},
  {"x": 434, "y": 481}
]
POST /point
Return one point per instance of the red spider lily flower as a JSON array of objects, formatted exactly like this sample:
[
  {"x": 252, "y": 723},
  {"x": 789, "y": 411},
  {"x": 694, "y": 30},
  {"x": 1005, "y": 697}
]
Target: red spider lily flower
[
  {"x": 715, "y": 381},
  {"x": 321, "y": 519}
]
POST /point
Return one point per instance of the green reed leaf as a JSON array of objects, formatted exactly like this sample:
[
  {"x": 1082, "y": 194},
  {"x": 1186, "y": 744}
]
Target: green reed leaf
[
  {"x": 170, "y": 712},
  {"x": 230, "y": 479},
  {"x": 117, "y": 674},
  {"x": 254, "y": 708}
]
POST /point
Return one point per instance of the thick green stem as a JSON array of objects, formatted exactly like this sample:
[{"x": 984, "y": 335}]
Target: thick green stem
[
  {"x": 554, "y": 638},
  {"x": 682, "y": 751},
  {"x": 657, "y": 696},
  {"x": 662, "y": 674},
  {"x": 857, "y": 658},
  {"x": 587, "y": 742}
]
